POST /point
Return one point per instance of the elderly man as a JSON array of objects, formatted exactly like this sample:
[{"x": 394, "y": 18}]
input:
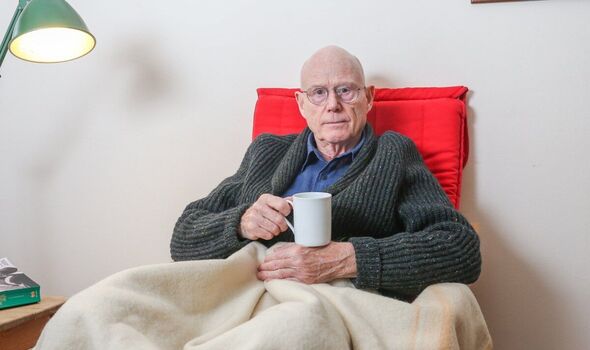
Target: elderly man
[{"x": 393, "y": 228}]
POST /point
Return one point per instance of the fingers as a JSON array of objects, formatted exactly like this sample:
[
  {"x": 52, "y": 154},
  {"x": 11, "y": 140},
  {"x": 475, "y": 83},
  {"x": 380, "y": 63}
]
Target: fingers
[
  {"x": 265, "y": 219},
  {"x": 255, "y": 226},
  {"x": 278, "y": 269},
  {"x": 284, "y": 262},
  {"x": 276, "y": 265},
  {"x": 286, "y": 251},
  {"x": 287, "y": 273},
  {"x": 272, "y": 216},
  {"x": 277, "y": 203}
]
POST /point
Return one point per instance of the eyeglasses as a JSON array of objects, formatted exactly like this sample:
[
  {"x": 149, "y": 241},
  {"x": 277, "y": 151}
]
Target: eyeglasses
[{"x": 319, "y": 95}]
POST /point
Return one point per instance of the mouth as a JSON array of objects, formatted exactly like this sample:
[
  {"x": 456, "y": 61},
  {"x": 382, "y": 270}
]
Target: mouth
[{"x": 335, "y": 122}]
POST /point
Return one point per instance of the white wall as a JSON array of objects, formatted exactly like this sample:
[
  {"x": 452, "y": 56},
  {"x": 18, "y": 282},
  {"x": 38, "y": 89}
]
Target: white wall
[{"x": 100, "y": 155}]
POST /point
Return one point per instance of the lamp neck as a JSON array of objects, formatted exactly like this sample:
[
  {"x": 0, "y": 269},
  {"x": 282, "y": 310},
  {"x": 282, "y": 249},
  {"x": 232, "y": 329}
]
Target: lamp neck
[{"x": 8, "y": 36}]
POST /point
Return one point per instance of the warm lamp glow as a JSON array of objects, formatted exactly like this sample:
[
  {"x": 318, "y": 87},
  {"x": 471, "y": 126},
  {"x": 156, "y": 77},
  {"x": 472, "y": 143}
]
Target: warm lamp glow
[
  {"x": 51, "y": 45},
  {"x": 46, "y": 31}
]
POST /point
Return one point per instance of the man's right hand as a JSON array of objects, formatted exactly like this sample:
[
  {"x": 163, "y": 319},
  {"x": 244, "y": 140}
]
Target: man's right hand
[{"x": 265, "y": 219}]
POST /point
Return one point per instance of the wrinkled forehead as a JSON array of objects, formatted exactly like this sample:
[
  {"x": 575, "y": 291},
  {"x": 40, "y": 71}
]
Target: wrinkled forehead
[{"x": 332, "y": 71}]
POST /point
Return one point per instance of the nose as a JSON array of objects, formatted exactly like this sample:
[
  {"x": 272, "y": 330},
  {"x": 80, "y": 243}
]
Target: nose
[{"x": 333, "y": 103}]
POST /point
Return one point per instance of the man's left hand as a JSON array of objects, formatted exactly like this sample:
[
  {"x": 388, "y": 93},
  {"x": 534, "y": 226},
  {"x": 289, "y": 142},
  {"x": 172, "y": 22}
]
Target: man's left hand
[{"x": 309, "y": 264}]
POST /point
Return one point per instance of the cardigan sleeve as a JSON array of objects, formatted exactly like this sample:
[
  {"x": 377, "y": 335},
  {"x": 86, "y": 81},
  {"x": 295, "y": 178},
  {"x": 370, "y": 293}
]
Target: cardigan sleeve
[
  {"x": 207, "y": 228},
  {"x": 437, "y": 243}
]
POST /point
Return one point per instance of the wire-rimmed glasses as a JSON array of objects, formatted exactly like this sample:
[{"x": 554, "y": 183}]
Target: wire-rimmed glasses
[{"x": 318, "y": 95}]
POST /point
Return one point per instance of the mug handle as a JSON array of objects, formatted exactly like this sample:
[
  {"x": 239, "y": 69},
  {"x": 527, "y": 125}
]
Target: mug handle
[{"x": 288, "y": 222}]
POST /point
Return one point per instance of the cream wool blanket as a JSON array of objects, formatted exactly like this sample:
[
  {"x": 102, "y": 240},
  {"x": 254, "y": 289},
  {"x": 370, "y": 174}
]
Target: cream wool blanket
[{"x": 219, "y": 304}]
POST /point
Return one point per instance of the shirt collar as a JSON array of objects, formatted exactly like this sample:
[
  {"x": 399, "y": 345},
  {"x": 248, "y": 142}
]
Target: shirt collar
[{"x": 313, "y": 150}]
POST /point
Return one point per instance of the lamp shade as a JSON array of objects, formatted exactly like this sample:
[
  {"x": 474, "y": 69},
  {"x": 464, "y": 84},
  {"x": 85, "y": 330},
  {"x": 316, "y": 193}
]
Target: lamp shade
[{"x": 50, "y": 31}]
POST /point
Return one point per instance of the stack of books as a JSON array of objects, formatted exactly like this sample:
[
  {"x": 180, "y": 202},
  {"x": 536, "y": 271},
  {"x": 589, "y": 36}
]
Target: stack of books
[{"x": 16, "y": 288}]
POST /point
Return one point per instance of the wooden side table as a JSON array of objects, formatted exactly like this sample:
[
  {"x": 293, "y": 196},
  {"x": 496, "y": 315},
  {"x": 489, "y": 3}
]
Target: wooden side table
[{"x": 21, "y": 326}]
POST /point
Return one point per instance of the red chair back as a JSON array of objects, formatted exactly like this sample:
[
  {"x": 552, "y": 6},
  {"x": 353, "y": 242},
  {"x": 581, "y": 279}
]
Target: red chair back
[{"x": 434, "y": 118}]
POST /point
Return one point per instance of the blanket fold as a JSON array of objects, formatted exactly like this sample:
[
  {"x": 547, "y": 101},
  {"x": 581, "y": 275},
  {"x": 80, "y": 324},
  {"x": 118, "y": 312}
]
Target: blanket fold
[{"x": 219, "y": 304}]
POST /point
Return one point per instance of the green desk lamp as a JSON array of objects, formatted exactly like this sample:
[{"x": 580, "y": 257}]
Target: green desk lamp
[{"x": 46, "y": 31}]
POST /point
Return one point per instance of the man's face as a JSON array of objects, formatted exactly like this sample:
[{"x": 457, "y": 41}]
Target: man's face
[{"x": 335, "y": 121}]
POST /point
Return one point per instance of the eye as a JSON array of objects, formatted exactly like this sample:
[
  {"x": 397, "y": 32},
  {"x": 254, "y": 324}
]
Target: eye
[
  {"x": 319, "y": 92},
  {"x": 343, "y": 90}
]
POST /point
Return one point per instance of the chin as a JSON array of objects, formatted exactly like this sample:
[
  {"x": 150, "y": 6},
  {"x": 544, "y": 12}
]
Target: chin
[
  {"x": 336, "y": 133},
  {"x": 336, "y": 137}
]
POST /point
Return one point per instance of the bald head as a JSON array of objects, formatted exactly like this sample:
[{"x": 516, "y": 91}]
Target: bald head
[{"x": 331, "y": 61}]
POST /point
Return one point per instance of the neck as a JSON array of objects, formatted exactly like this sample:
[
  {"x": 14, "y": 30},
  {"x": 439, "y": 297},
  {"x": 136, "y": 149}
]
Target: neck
[{"x": 330, "y": 151}]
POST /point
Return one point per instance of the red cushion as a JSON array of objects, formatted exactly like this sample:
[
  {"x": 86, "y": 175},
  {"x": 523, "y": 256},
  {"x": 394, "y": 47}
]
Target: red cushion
[{"x": 434, "y": 118}]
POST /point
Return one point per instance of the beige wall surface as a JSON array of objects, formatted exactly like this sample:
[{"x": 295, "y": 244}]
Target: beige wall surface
[{"x": 100, "y": 155}]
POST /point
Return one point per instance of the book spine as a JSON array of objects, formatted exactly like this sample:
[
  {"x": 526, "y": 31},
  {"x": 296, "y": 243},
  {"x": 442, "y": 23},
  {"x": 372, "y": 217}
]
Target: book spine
[{"x": 11, "y": 298}]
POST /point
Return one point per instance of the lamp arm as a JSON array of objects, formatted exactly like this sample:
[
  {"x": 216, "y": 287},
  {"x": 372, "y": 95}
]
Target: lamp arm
[{"x": 4, "y": 48}]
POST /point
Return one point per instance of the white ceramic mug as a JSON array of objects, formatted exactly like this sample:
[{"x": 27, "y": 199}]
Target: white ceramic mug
[{"x": 312, "y": 215}]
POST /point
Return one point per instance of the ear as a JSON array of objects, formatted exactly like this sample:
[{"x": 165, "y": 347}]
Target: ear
[
  {"x": 370, "y": 94},
  {"x": 300, "y": 101}
]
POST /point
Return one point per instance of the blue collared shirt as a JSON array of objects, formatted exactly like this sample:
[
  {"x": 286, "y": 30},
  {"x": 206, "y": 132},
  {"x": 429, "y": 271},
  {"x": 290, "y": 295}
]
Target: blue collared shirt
[{"x": 317, "y": 174}]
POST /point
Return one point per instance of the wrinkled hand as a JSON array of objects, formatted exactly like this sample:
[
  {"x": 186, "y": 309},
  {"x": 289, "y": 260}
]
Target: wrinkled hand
[
  {"x": 309, "y": 264},
  {"x": 265, "y": 219}
]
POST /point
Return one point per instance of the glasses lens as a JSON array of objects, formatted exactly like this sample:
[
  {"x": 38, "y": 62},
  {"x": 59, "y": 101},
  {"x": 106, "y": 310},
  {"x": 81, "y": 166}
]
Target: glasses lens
[
  {"x": 318, "y": 95},
  {"x": 346, "y": 93}
]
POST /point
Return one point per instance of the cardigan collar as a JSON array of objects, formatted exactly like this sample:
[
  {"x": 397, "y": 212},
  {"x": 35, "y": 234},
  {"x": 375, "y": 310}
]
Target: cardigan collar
[{"x": 291, "y": 164}]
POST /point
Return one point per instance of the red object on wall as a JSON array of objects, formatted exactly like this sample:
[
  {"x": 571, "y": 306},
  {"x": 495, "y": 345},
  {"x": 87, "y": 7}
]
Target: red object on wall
[{"x": 435, "y": 118}]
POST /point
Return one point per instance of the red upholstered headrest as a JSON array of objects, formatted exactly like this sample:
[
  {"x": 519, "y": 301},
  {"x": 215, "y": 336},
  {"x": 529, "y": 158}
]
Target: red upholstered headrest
[{"x": 434, "y": 118}]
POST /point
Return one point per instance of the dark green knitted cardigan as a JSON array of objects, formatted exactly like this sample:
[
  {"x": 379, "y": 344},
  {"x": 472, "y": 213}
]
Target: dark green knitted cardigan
[{"x": 405, "y": 232}]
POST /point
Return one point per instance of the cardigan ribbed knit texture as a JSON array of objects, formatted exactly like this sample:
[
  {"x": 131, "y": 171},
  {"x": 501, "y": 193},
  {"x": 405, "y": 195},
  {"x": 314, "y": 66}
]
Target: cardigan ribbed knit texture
[{"x": 405, "y": 232}]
